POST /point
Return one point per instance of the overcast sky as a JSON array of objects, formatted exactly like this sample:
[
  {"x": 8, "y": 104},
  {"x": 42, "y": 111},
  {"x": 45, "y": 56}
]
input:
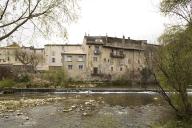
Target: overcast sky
[{"x": 138, "y": 19}]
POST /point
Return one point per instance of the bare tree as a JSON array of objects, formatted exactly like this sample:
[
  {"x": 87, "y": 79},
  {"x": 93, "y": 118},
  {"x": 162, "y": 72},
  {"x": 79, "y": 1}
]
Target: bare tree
[
  {"x": 179, "y": 8},
  {"x": 29, "y": 58},
  {"x": 45, "y": 16},
  {"x": 35, "y": 60},
  {"x": 23, "y": 56}
]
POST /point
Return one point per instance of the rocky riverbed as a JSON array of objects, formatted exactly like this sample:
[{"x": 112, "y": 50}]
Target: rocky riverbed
[{"x": 81, "y": 111}]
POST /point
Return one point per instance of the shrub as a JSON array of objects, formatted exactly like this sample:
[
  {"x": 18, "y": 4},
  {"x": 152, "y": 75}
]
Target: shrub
[
  {"x": 7, "y": 83},
  {"x": 6, "y": 72},
  {"x": 56, "y": 77},
  {"x": 23, "y": 78}
]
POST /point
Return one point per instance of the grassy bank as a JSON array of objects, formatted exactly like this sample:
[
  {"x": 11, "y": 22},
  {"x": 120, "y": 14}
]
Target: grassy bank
[{"x": 175, "y": 123}]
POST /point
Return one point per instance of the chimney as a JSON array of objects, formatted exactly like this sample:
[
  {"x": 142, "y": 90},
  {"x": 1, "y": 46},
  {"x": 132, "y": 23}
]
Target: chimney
[
  {"x": 123, "y": 41},
  {"x": 106, "y": 38},
  {"x": 129, "y": 38}
]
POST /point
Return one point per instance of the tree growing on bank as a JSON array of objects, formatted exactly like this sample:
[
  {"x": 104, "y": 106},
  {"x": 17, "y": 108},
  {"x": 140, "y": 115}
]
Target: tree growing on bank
[
  {"x": 29, "y": 58},
  {"x": 172, "y": 60},
  {"x": 42, "y": 16},
  {"x": 174, "y": 71}
]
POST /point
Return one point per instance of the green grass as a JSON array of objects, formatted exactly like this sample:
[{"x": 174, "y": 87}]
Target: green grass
[
  {"x": 175, "y": 123},
  {"x": 7, "y": 83}
]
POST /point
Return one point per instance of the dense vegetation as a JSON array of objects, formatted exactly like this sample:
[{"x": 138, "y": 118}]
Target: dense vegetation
[{"x": 172, "y": 61}]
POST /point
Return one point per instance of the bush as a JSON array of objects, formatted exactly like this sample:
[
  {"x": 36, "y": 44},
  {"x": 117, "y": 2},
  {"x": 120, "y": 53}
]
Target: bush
[
  {"x": 56, "y": 77},
  {"x": 23, "y": 78},
  {"x": 7, "y": 83},
  {"x": 6, "y": 72},
  {"x": 174, "y": 123}
]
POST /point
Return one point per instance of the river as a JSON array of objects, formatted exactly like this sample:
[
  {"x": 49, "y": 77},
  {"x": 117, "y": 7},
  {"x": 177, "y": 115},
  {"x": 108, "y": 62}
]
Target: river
[{"x": 82, "y": 110}]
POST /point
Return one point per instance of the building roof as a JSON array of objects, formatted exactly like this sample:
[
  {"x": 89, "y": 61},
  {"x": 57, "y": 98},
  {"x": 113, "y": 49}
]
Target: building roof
[
  {"x": 63, "y": 45},
  {"x": 115, "y": 42},
  {"x": 106, "y": 39},
  {"x": 13, "y": 45}
]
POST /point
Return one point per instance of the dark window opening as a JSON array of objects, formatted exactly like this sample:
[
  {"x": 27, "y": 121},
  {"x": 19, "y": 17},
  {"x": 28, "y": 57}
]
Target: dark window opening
[
  {"x": 70, "y": 67},
  {"x": 53, "y": 60},
  {"x": 95, "y": 70}
]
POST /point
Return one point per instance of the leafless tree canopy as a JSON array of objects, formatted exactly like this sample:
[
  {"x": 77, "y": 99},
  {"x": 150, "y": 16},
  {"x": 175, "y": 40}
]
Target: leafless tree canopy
[
  {"x": 44, "y": 16},
  {"x": 179, "y": 8},
  {"x": 29, "y": 58}
]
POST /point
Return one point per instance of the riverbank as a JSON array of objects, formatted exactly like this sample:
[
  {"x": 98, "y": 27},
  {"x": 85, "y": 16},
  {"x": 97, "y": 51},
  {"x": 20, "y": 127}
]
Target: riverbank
[
  {"x": 72, "y": 90},
  {"x": 84, "y": 111},
  {"x": 80, "y": 90}
]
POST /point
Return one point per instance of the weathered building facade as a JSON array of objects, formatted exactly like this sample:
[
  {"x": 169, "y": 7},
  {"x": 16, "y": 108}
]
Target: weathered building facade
[
  {"x": 98, "y": 58},
  {"x": 111, "y": 57}
]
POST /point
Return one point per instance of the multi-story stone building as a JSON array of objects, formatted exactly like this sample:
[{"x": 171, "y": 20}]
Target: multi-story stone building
[
  {"x": 74, "y": 63},
  {"x": 111, "y": 57},
  {"x": 68, "y": 57},
  {"x": 98, "y": 58}
]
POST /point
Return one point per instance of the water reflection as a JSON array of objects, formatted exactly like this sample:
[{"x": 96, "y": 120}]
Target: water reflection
[{"x": 133, "y": 99}]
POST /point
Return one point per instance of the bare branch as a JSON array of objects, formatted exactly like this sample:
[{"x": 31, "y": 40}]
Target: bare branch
[{"x": 6, "y": 5}]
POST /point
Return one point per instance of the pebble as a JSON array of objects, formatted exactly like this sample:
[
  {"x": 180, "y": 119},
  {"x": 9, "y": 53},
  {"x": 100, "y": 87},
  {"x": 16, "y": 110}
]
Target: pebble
[
  {"x": 155, "y": 98},
  {"x": 18, "y": 114},
  {"x": 27, "y": 118},
  {"x": 11, "y": 111},
  {"x": 67, "y": 110},
  {"x": 74, "y": 106},
  {"x": 85, "y": 114}
]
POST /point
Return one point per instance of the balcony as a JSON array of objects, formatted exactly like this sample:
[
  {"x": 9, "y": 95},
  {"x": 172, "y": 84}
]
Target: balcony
[
  {"x": 117, "y": 55},
  {"x": 97, "y": 52}
]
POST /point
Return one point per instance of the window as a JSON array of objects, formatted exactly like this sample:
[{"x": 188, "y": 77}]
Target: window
[
  {"x": 99, "y": 40},
  {"x": 53, "y": 53},
  {"x": 80, "y": 58},
  {"x": 15, "y": 58},
  {"x": 96, "y": 47},
  {"x": 95, "y": 70},
  {"x": 95, "y": 59},
  {"x": 70, "y": 67},
  {"x": 69, "y": 58},
  {"x": 8, "y": 58},
  {"x": 80, "y": 67},
  {"x": 89, "y": 46},
  {"x": 121, "y": 69},
  {"x": 111, "y": 68},
  {"x": 121, "y": 52},
  {"x": 53, "y": 60},
  {"x": 96, "y": 51},
  {"x": 104, "y": 59}
]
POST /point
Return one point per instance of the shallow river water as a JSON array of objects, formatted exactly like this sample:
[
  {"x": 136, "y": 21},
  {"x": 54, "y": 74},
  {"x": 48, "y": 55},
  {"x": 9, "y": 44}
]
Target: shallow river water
[{"x": 126, "y": 110}]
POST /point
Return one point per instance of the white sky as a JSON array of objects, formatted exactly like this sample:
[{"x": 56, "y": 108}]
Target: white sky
[{"x": 138, "y": 19}]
